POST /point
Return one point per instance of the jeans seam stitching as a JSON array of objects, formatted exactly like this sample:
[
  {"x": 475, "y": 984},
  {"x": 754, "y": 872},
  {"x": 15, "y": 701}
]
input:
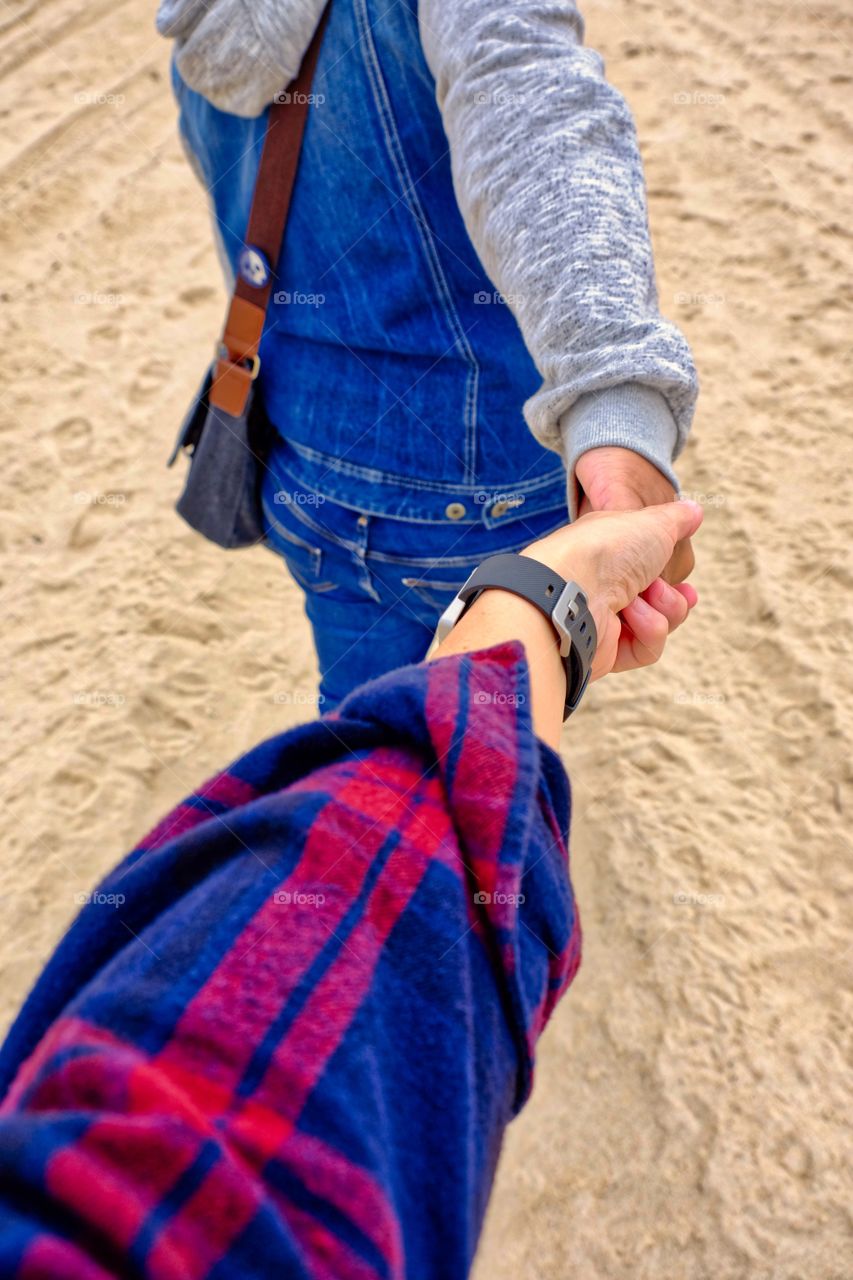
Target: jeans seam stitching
[
  {"x": 410, "y": 199},
  {"x": 438, "y": 487}
]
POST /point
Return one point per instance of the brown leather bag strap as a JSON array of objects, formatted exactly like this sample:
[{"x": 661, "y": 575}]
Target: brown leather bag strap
[{"x": 238, "y": 362}]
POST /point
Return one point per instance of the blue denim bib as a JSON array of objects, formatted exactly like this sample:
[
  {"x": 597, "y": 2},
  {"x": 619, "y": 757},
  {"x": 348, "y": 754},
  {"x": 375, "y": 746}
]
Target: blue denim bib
[{"x": 393, "y": 371}]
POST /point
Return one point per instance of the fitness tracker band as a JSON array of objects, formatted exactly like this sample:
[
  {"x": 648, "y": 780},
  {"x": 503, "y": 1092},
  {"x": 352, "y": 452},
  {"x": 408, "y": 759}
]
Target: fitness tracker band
[{"x": 564, "y": 603}]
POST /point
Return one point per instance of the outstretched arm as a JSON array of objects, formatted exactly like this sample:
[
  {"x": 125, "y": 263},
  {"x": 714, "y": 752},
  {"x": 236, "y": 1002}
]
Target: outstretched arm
[
  {"x": 286, "y": 1035},
  {"x": 617, "y": 558}
]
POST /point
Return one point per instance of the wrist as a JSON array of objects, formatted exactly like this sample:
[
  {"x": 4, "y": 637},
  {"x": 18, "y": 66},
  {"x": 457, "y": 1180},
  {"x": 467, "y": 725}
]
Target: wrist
[
  {"x": 630, "y": 416},
  {"x": 497, "y": 616},
  {"x": 573, "y": 567},
  {"x": 565, "y": 624}
]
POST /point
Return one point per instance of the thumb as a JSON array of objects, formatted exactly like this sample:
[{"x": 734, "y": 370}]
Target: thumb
[
  {"x": 645, "y": 543},
  {"x": 676, "y": 520}
]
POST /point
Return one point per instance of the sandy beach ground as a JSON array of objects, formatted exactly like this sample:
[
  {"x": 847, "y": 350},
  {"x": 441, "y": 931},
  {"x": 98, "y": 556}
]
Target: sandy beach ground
[{"x": 692, "y": 1107}]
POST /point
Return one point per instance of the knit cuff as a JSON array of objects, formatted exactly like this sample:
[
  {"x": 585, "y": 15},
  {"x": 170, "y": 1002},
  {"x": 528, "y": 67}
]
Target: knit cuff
[{"x": 630, "y": 416}]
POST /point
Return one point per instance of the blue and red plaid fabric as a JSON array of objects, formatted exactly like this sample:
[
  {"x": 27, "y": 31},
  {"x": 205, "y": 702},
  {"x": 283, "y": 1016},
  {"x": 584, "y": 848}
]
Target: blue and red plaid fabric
[{"x": 286, "y": 1035}]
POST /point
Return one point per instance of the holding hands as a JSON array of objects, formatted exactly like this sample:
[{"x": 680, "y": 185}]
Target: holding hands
[
  {"x": 618, "y": 559},
  {"x": 616, "y": 479}
]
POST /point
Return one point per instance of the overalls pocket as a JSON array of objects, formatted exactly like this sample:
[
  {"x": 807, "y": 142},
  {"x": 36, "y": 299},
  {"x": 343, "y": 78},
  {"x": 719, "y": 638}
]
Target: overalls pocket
[
  {"x": 304, "y": 559},
  {"x": 433, "y": 592}
]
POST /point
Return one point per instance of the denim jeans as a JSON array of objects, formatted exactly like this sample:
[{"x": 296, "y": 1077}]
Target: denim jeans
[{"x": 374, "y": 587}]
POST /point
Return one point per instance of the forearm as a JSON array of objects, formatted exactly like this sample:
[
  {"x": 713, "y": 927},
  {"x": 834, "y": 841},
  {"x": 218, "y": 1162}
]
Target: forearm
[
  {"x": 500, "y": 616},
  {"x": 549, "y": 179}
]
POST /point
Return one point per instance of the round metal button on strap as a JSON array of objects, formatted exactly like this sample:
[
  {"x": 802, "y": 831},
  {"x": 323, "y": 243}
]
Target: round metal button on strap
[
  {"x": 361, "y": 521},
  {"x": 253, "y": 266},
  {"x": 499, "y": 509},
  {"x": 454, "y": 510}
]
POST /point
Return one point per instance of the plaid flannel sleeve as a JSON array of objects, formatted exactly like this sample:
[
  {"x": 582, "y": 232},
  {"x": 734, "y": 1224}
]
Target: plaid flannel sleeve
[{"x": 287, "y": 1033}]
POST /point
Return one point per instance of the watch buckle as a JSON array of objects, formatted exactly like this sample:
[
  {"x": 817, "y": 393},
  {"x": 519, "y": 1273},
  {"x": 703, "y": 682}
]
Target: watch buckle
[
  {"x": 564, "y": 613},
  {"x": 447, "y": 622}
]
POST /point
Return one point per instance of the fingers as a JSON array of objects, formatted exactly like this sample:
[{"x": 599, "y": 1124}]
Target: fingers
[
  {"x": 648, "y": 621},
  {"x": 615, "y": 555},
  {"x": 682, "y": 562},
  {"x": 645, "y": 543},
  {"x": 644, "y": 633},
  {"x": 673, "y": 604}
]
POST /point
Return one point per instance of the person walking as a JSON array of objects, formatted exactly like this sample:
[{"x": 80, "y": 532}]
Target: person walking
[{"x": 467, "y": 248}]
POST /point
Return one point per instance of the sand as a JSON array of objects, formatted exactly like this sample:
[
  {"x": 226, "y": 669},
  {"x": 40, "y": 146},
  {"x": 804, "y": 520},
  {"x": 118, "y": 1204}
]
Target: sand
[{"x": 692, "y": 1102}]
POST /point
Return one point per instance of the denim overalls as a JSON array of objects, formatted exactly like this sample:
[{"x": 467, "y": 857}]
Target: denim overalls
[{"x": 392, "y": 370}]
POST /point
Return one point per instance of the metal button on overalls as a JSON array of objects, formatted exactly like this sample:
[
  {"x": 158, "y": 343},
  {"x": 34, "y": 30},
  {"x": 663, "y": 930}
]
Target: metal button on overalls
[{"x": 454, "y": 511}]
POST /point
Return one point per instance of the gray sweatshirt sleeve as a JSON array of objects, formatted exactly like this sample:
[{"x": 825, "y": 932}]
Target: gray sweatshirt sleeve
[
  {"x": 239, "y": 53},
  {"x": 548, "y": 176}
]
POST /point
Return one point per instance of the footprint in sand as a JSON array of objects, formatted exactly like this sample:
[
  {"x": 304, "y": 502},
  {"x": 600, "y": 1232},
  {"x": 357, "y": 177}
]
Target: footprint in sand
[
  {"x": 148, "y": 381},
  {"x": 165, "y": 733},
  {"x": 188, "y": 622},
  {"x": 796, "y": 1157},
  {"x": 199, "y": 293},
  {"x": 105, "y": 333},
  {"x": 262, "y": 676},
  {"x": 190, "y": 299},
  {"x": 100, "y": 515},
  {"x": 73, "y": 790},
  {"x": 72, "y": 439}
]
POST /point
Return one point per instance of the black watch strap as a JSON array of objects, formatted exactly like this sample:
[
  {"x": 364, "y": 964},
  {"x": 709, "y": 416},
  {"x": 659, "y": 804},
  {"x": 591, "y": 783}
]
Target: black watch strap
[{"x": 564, "y": 603}]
